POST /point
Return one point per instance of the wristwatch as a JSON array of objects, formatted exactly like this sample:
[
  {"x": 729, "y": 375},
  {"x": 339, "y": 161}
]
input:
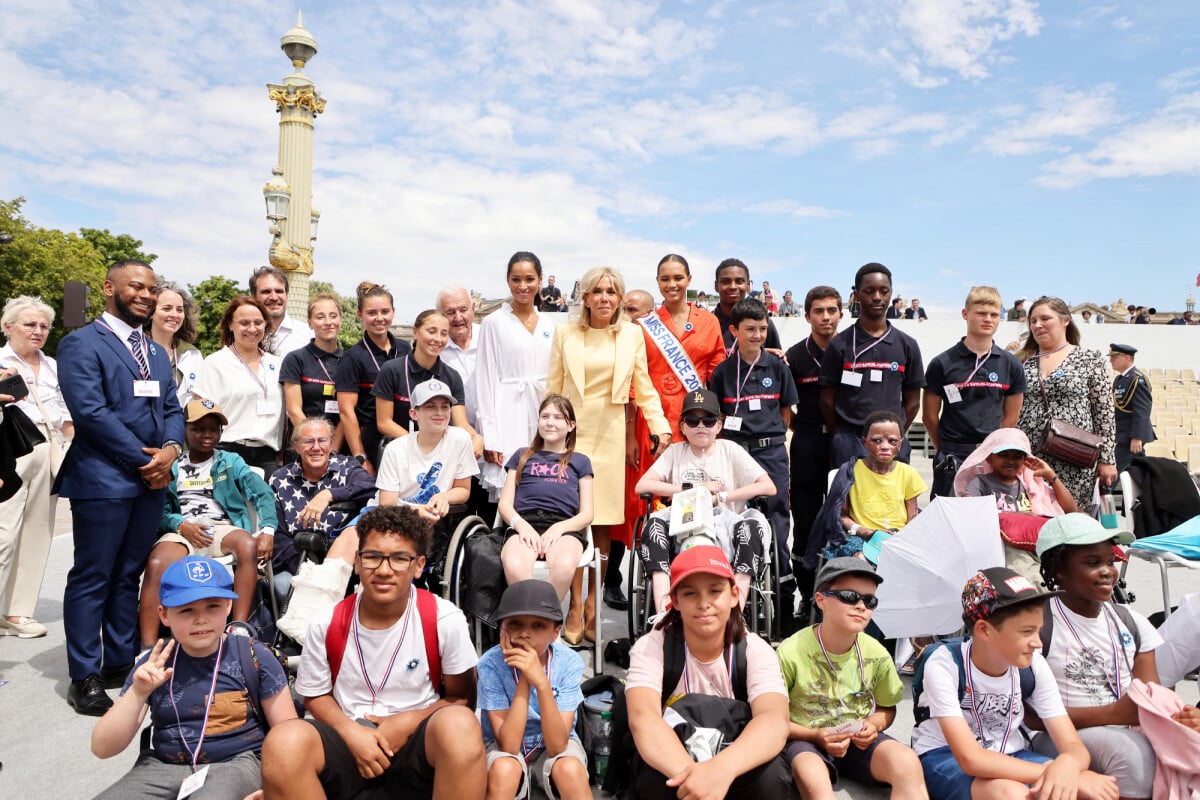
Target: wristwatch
[
  {"x": 361, "y": 458},
  {"x": 174, "y": 445}
]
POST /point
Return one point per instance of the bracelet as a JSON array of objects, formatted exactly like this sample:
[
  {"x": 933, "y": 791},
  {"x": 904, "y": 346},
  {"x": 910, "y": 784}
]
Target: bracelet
[{"x": 512, "y": 523}]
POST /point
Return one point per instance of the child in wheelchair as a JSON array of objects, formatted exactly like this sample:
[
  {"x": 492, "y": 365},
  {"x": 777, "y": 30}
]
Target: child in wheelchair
[
  {"x": 729, "y": 473},
  {"x": 547, "y": 500}
]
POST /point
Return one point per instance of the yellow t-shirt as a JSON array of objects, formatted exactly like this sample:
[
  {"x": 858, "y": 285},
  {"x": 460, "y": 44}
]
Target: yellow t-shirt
[{"x": 877, "y": 501}]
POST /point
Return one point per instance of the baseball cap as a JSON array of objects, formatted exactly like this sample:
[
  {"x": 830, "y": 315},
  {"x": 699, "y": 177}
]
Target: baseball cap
[
  {"x": 198, "y": 409},
  {"x": 422, "y": 393},
  {"x": 990, "y": 590},
  {"x": 704, "y": 558},
  {"x": 194, "y": 578},
  {"x": 1077, "y": 529},
  {"x": 845, "y": 565},
  {"x": 701, "y": 400},
  {"x": 532, "y": 598}
]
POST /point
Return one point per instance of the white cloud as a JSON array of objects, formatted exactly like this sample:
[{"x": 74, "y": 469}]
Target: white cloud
[
  {"x": 791, "y": 208},
  {"x": 1060, "y": 114},
  {"x": 1122, "y": 23}
]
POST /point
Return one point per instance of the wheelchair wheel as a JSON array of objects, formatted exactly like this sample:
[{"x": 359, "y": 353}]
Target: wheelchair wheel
[
  {"x": 638, "y": 592},
  {"x": 452, "y": 569}
]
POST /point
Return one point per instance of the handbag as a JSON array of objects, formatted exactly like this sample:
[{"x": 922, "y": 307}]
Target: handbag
[
  {"x": 1067, "y": 442},
  {"x": 59, "y": 444}
]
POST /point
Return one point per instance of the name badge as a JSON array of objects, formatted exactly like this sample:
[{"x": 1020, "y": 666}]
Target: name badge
[
  {"x": 328, "y": 391},
  {"x": 953, "y": 395},
  {"x": 331, "y": 407},
  {"x": 852, "y": 379},
  {"x": 849, "y": 726},
  {"x": 145, "y": 389},
  {"x": 193, "y": 783},
  {"x": 733, "y": 423},
  {"x": 876, "y": 375},
  {"x": 265, "y": 408},
  {"x": 756, "y": 404}
]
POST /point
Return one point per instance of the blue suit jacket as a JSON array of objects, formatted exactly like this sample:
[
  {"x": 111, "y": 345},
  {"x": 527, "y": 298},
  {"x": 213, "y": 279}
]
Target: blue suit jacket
[{"x": 96, "y": 372}]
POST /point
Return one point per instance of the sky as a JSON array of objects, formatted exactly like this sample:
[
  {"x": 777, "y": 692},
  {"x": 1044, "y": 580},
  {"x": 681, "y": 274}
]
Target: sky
[{"x": 1043, "y": 148}]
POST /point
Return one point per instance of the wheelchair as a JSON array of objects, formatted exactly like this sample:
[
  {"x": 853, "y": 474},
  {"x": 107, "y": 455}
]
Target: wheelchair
[{"x": 762, "y": 612}]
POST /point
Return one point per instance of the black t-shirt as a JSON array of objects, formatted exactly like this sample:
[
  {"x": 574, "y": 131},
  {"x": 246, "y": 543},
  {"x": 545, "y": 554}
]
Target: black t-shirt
[
  {"x": 315, "y": 370},
  {"x": 357, "y": 372},
  {"x": 773, "y": 340},
  {"x": 982, "y": 388},
  {"x": 885, "y": 368},
  {"x": 804, "y": 362},
  {"x": 754, "y": 395},
  {"x": 397, "y": 379}
]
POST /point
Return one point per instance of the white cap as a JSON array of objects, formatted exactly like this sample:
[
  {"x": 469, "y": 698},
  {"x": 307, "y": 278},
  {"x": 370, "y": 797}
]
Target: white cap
[{"x": 424, "y": 392}]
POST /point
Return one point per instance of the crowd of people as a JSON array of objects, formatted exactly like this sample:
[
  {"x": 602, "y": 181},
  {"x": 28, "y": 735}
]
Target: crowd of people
[{"x": 552, "y": 426}]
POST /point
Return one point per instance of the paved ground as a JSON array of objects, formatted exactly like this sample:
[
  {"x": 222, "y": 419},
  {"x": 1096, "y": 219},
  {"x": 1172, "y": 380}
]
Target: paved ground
[{"x": 44, "y": 744}]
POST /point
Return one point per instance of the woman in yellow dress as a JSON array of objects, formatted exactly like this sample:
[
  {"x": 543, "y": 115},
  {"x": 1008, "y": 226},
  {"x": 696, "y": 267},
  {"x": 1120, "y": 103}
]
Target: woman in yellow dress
[{"x": 594, "y": 360}]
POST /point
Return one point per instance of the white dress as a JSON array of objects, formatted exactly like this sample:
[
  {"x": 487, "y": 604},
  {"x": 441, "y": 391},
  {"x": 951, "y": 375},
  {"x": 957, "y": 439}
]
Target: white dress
[{"x": 510, "y": 381}]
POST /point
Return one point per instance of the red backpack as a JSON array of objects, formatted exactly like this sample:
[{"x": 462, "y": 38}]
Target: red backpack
[{"x": 339, "y": 633}]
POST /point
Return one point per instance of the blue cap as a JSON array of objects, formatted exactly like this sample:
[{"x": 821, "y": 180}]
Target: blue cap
[{"x": 194, "y": 578}]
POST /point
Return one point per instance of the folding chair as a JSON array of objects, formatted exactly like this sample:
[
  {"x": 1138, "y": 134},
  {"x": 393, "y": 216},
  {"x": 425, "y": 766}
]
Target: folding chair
[{"x": 1148, "y": 549}]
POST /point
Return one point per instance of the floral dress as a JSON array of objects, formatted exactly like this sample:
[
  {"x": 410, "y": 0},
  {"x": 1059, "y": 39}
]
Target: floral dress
[{"x": 1080, "y": 392}]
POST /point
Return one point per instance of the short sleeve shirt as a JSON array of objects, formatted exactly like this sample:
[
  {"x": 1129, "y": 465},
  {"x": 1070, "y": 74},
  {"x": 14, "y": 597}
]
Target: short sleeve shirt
[
  {"x": 804, "y": 362},
  {"x": 359, "y": 369},
  {"x": 416, "y": 475},
  {"x": 878, "y": 501},
  {"x": 762, "y": 670},
  {"x": 546, "y": 485},
  {"x": 498, "y": 685},
  {"x": 398, "y": 377},
  {"x": 409, "y": 687},
  {"x": 886, "y": 368},
  {"x": 756, "y": 394},
  {"x": 726, "y": 462},
  {"x": 992, "y": 711},
  {"x": 1008, "y": 498},
  {"x": 1092, "y": 658},
  {"x": 975, "y": 407},
  {"x": 315, "y": 371},
  {"x": 819, "y": 697}
]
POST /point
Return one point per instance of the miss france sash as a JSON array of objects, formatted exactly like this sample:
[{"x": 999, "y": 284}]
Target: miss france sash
[{"x": 672, "y": 351}]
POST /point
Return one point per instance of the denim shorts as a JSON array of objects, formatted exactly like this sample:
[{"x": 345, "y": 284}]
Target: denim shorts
[{"x": 945, "y": 779}]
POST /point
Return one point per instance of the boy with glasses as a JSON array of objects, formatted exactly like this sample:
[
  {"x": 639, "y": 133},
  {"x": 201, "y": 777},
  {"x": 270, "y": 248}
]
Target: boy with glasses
[
  {"x": 843, "y": 690},
  {"x": 729, "y": 473},
  {"x": 389, "y": 688}
]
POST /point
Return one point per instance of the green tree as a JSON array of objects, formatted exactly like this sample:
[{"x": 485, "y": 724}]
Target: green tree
[
  {"x": 39, "y": 261},
  {"x": 212, "y": 295},
  {"x": 116, "y": 246},
  {"x": 351, "y": 330}
]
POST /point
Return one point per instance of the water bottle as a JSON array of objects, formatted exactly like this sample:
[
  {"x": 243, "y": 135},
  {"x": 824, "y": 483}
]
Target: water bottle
[
  {"x": 1108, "y": 508},
  {"x": 601, "y": 747}
]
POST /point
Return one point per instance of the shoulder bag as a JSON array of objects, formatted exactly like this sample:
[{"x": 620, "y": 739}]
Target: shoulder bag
[{"x": 1065, "y": 441}]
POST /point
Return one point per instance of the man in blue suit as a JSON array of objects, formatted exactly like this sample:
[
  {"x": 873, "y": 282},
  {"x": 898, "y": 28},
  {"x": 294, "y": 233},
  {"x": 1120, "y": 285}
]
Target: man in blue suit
[{"x": 119, "y": 387}]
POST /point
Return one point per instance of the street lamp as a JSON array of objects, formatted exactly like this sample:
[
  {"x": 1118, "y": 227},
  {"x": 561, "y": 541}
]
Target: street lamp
[
  {"x": 279, "y": 199},
  {"x": 6, "y": 238}
]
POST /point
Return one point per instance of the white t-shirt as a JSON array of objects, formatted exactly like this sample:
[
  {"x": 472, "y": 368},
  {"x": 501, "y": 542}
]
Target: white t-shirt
[
  {"x": 763, "y": 675},
  {"x": 1084, "y": 666},
  {"x": 997, "y": 706},
  {"x": 409, "y": 687},
  {"x": 416, "y": 475},
  {"x": 726, "y": 462},
  {"x": 254, "y": 416}
]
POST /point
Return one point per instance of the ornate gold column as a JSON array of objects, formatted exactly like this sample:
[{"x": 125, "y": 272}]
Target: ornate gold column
[{"x": 298, "y": 103}]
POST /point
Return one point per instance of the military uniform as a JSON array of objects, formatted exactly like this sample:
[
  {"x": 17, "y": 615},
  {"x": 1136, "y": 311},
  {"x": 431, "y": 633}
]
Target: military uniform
[{"x": 1132, "y": 401}]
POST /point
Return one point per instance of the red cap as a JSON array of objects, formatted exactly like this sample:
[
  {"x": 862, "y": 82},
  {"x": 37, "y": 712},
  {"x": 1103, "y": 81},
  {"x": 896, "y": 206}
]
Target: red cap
[{"x": 704, "y": 558}]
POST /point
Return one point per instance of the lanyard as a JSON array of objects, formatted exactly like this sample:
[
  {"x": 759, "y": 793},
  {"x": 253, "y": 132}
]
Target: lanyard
[
  {"x": 979, "y": 362},
  {"x": 527, "y": 754},
  {"x": 741, "y": 384},
  {"x": 836, "y": 673},
  {"x": 687, "y": 684},
  {"x": 141, "y": 343},
  {"x": 366, "y": 343},
  {"x": 212, "y": 692},
  {"x": 854, "y": 342},
  {"x": 1014, "y": 697},
  {"x": 321, "y": 364},
  {"x": 1116, "y": 681},
  {"x": 362, "y": 662},
  {"x": 808, "y": 349},
  {"x": 253, "y": 374}
]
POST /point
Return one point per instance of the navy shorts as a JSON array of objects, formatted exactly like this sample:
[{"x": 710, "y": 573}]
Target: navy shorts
[{"x": 945, "y": 779}]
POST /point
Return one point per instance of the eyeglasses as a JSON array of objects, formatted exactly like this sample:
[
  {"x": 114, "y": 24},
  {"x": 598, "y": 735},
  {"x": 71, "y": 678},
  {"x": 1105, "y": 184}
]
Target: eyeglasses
[
  {"x": 852, "y": 598},
  {"x": 878, "y": 440},
  {"x": 696, "y": 422},
  {"x": 324, "y": 440},
  {"x": 372, "y": 559},
  {"x": 34, "y": 326}
]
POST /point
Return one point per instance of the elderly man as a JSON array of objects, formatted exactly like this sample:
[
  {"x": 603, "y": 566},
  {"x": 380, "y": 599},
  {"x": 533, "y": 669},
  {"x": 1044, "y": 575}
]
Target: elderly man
[
  {"x": 1132, "y": 402},
  {"x": 269, "y": 286}
]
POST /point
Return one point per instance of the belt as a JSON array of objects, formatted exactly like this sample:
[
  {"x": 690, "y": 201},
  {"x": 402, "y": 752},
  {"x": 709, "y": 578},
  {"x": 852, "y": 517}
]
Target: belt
[{"x": 761, "y": 443}]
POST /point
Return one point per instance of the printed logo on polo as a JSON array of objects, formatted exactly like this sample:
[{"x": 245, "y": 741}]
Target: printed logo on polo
[
  {"x": 895, "y": 366},
  {"x": 199, "y": 571},
  {"x": 993, "y": 376},
  {"x": 766, "y": 382}
]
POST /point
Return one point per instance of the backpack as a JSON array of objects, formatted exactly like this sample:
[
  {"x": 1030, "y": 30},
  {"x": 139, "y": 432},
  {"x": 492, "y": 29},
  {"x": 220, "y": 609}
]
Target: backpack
[
  {"x": 620, "y": 762},
  {"x": 244, "y": 646},
  {"x": 338, "y": 635},
  {"x": 1122, "y": 612},
  {"x": 954, "y": 646}
]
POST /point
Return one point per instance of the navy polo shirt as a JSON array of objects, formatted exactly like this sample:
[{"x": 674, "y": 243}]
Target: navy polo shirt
[
  {"x": 768, "y": 385},
  {"x": 398, "y": 378},
  {"x": 982, "y": 387},
  {"x": 804, "y": 362},
  {"x": 315, "y": 370},
  {"x": 358, "y": 370},
  {"x": 888, "y": 366},
  {"x": 773, "y": 340}
]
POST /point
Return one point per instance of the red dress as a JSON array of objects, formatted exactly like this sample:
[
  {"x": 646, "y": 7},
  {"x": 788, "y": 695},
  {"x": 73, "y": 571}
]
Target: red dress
[{"x": 701, "y": 338}]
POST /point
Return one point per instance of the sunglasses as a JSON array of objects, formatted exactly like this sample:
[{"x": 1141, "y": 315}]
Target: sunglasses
[
  {"x": 696, "y": 422},
  {"x": 852, "y": 598}
]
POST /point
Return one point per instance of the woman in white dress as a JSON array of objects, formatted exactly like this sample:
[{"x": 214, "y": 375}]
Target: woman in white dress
[
  {"x": 173, "y": 326},
  {"x": 510, "y": 372}
]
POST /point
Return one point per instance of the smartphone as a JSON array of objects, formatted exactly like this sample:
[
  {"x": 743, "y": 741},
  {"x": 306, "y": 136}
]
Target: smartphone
[{"x": 14, "y": 385}]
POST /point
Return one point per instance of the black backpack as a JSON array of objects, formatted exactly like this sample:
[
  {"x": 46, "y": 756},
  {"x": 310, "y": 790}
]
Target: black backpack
[
  {"x": 620, "y": 762},
  {"x": 954, "y": 645}
]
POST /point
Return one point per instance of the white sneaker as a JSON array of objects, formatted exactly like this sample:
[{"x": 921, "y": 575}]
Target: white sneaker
[{"x": 23, "y": 628}]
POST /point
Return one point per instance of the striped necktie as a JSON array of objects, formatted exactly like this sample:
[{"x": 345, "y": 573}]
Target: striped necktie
[{"x": 139, "y": 354}]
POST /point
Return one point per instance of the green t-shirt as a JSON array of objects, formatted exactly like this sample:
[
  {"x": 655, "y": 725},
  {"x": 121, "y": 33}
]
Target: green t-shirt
[{"x": 813, "y": 690}]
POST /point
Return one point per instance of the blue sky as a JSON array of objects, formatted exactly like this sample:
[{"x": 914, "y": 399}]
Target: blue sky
[{"x": 1042, "y": 148}]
